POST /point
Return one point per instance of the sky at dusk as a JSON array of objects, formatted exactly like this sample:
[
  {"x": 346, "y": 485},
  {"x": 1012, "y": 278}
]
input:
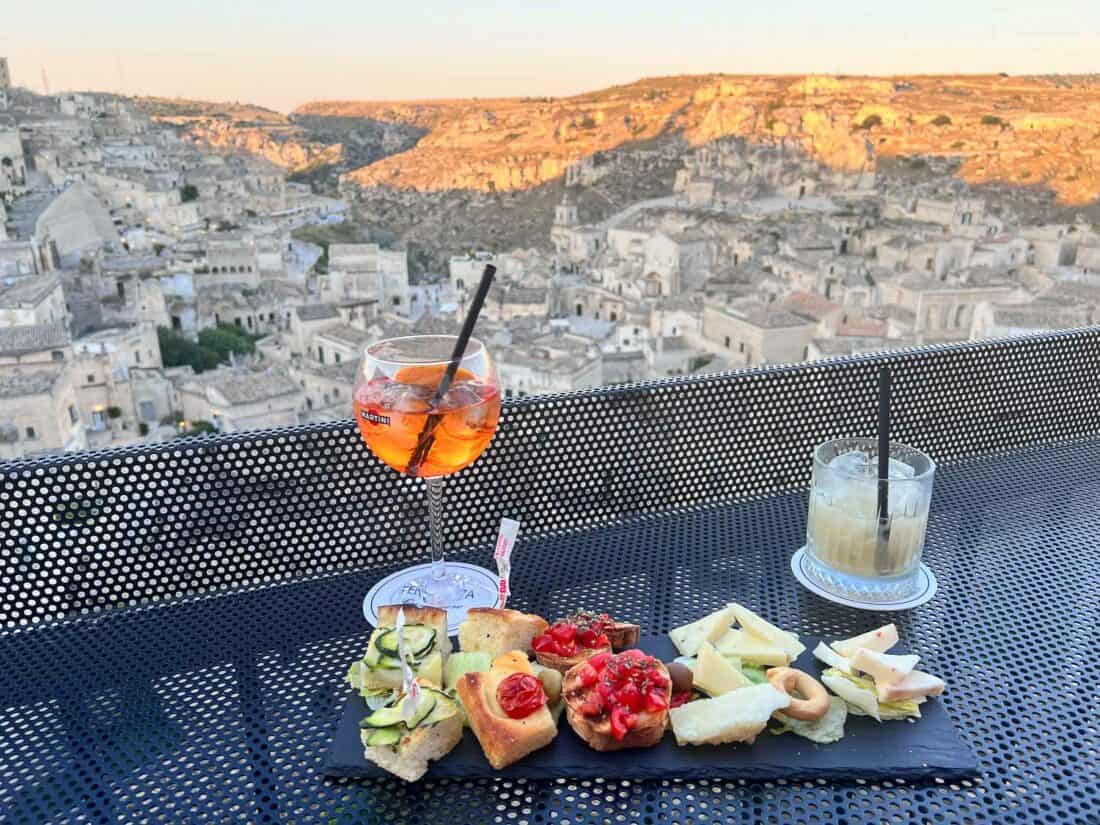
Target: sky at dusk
[{"x": 280, "y": 54}]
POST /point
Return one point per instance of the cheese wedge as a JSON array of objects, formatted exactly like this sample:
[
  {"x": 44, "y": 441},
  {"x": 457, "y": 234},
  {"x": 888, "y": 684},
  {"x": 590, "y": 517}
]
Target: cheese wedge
[
  {"x": 751, "y": 649},
  {"x": 916, "y": 685},
  {"x": 737, "y": 716},
  {"x": 754, "y": 624},
  {"x": 714, "y": 675},
  {"x": 690, "y": 637},
  {"x": 830, "y": 657},
  {"x": 882, "y": 667},
  {"x": 879, "y": 640}
]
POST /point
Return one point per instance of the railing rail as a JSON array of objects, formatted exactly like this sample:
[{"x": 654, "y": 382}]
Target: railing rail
[{"x": 90, "y": 531}]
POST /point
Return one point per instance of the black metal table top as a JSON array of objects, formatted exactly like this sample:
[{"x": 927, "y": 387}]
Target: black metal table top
[{"x": 218, "y": 708}]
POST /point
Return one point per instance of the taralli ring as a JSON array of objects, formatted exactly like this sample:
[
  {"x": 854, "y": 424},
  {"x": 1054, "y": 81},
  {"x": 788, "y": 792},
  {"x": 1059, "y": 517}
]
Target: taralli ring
[{"x": 815, "y": 701}]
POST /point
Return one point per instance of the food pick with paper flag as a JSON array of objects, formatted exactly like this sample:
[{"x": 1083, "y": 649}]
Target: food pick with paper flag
[
  {"x": 506, "y": 540},
  {"x": 409, "y": 684}
]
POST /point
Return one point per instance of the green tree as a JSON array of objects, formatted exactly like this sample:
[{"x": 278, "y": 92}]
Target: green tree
[
  {"x": 188, "y": 193},
  {"x": 992, "y": 120},
  {"x": 200, "y": 427},
  {"x": 941, "y": 120},
  {"x": 870, "y": 122},
  {"x": 223, "y": 340}
]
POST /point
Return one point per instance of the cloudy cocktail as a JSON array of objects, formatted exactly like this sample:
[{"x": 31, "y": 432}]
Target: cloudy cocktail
[{"x": 851, "y": 547}]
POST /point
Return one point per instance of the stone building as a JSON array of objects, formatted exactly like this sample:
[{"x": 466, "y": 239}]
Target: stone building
[
  {"x": 369, "y": 271},
  {"x": 39, "y": 413},
  {"x": 944, "y": 308},
  {"x": 753, "y": 333},
  {"x": 306, "y": 321},
  {"x": 118, "y": 376},
  {"x": 231, "y": 259},
  {"x": 545, "y": 366},
  {"x": 34, "y": 300},
  {"x": 236, "y": 399},
  {"x": 13, "y": 166},
  {"x": 34, "y": 345},
  {"x": 76, "y": 223},
  {"x": 327, "y": 388}
]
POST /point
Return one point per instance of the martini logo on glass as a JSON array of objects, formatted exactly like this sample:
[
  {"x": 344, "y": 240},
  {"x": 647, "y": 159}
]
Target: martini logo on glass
[{"x": 374, "y": 418}]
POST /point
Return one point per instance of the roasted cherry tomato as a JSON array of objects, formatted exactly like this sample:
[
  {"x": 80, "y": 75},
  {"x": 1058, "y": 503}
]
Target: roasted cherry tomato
[{"x": 520, "y": 695}]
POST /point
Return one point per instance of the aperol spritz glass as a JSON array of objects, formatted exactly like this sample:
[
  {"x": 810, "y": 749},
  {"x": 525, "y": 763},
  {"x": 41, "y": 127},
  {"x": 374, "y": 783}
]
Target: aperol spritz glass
[{"x": 422, "y": 432}]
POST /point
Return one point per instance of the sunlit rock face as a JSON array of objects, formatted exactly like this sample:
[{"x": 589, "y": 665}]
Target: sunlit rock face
[{"x": 1016, "y": 130}]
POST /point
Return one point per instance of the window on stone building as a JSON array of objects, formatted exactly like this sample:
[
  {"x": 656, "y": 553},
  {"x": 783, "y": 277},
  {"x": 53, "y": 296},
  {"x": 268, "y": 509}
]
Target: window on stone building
[
  {"x": 57, "y": 355},
  {"x": 320, "y": 354},
  {"x": 928, "y": 264},
  {"x": 741, "y": 347},
  {"x": 147, "y": 410},
  {"x": 459, "y": 283},
  {"x": 91, "y": 378},
  {"x": 74, "y": 416},
  {"x": 727, "y": 342},
  {"x": 336, "y": 357},
  {"x": 614, "y": 316},
  {"x": 580, "y": 310},
  {"x": 675, "y": 332},
  {"x": 31, "y": 434},
  {"x": 137, "y": 357},
  {"x": 237, "y": 321},
  {"x": 397, "y": 300},
  {"x": 249, "y": 320}
]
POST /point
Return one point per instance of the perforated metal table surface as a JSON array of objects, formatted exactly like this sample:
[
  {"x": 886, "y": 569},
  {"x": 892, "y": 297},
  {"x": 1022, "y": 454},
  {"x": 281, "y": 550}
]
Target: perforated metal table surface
[{"x": 178, "y": 621}]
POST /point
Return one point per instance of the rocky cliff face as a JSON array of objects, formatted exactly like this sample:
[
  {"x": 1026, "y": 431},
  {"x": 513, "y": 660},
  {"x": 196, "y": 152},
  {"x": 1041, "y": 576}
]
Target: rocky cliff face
[
  {"x": 1013, "y": 130},
  {"x": 298, "y": 143},
  {"x": 284, "y": 146}
]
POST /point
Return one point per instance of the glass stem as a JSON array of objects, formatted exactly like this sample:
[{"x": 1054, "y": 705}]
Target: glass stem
[{"x": 435, "y": 525}]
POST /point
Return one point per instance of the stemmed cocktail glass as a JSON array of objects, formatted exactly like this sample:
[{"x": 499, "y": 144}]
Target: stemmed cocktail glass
[{"x": 428, "y": 421}]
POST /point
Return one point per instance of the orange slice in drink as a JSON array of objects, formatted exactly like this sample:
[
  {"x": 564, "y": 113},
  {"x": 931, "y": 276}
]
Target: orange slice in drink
[{"x": 429, "y": 375}]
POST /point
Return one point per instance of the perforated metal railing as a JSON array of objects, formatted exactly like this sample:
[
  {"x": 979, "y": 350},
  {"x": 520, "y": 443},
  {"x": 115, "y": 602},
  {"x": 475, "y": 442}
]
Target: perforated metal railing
[{"x": 213, "y": 589}]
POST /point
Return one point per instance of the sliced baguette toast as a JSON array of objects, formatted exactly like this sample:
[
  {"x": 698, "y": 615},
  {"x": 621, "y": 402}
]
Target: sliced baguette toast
[{"x": 596, "y": 731}]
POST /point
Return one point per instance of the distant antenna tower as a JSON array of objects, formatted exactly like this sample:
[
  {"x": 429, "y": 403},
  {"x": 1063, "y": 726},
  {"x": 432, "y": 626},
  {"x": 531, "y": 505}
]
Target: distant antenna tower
[{"x": 45, "y": 82}]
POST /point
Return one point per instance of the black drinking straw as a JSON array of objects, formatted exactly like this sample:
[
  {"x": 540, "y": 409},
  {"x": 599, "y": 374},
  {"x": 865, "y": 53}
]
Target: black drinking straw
[
  {"x": 884, "y": 444},
  {"x": 424, "y": 442}
]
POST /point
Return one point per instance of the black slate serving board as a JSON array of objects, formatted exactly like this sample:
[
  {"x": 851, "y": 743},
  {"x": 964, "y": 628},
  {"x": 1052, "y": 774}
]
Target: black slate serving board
[{"x": 929, "y": 748}]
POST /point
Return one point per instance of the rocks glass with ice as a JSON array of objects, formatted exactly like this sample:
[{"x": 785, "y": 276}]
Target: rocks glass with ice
[
  {"x": 422, "y": 433},
  {"x": 852, "y": 552}
]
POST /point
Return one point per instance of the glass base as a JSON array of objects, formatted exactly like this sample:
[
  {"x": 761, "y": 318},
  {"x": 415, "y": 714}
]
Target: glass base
[
  {"x": 462, "y": 587},
  {"x": 899, "y": 593}
]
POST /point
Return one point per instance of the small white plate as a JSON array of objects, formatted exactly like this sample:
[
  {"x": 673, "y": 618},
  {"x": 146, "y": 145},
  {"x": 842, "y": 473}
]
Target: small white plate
[
  {"x": 925, "y": 588},
  {"x": 388, "y": 591}
]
